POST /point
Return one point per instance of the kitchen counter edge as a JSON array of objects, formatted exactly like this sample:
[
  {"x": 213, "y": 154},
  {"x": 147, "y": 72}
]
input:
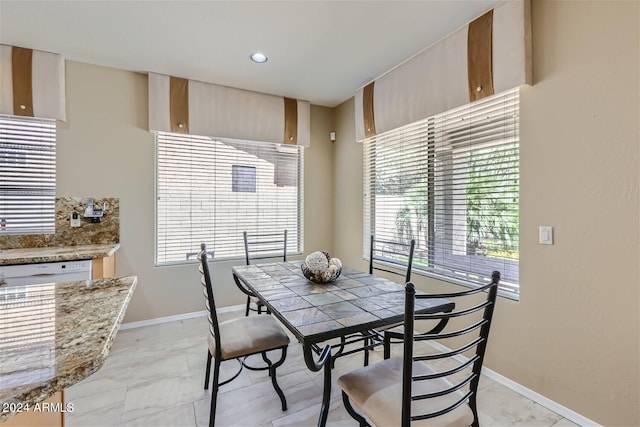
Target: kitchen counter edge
[
  {"x": 56, "y": 253},
  {"x": 59, "y": 382}
]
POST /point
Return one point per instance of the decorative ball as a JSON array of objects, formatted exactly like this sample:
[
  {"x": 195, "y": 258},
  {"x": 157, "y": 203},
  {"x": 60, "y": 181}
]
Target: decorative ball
[
  {"x": 317, "y": 262},
  {"x": 319, "y": 267}
]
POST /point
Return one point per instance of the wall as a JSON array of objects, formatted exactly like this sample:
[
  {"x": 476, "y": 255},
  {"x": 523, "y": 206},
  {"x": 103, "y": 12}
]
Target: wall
[
  {"x": 574, "y": 334},
  {"x": 105, "y": 149},
  {"x": 347, "y": 190}
]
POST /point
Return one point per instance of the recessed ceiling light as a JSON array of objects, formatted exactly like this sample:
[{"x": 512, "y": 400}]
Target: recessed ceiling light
[{"x": 259, "y": 57}]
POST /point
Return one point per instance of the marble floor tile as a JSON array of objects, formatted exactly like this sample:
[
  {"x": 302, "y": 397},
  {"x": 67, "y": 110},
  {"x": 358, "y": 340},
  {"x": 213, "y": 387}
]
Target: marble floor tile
[
  {"x": 504, "y": 407},
  {"x": 337, "y": 417},
  {"x": 133, "y": 372},
  {"x": 104, "y": 409},
  {"x": 485, "y": 381},
  {"x": 197, "y": 358},
  {"x": 233, "y": 407},
  {"x": 166, "y": 393},
  {"x": 290, "y": 365},
  {"x": 154, "y": 376},
  {"x": 179, "y": 345},
  {"x": 182, "y": 416},
  {"x": 196, "y": 325},
  {"x": 227, "y": 370},
  {"x": 91, "y": 386}
]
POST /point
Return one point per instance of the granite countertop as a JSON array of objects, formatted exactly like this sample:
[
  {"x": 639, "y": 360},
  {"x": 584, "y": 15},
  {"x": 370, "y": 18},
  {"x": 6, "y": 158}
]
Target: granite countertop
[
  {"x": 56, "y": 253},
  {"x": 54, "y": 335}
]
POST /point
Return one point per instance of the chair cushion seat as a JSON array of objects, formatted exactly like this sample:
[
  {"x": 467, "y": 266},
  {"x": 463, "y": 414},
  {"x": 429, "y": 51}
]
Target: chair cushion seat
[
  {"x": 377, "y": 391},
  {"x": 256, "y": 301},
  {"x": 248, "y": 335}
]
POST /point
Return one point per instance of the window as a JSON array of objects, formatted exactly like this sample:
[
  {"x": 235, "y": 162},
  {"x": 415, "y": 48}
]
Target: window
[
  {"x": 27, "y": 175},
  {"x": 243, "y": 179},
  {"x": 451, "y": 182},
  {"x": 211, "y": 190}
]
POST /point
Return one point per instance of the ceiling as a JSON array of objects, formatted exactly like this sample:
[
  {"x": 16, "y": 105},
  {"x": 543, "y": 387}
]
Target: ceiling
[{"x": 320, "y": 51}]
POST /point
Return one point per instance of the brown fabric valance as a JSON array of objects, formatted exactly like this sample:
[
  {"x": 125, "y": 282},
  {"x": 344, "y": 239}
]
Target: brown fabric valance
[
  {"x": 179, "y": 105},
  {"x": 480, "y": 57},
  {"x": 31, "y": 83},
  {"x": 197, "y": 108},
  {"x": 290, "y": 121},
  {"x": 367, "y": 110},
  {"x": 489, "y": 55}
]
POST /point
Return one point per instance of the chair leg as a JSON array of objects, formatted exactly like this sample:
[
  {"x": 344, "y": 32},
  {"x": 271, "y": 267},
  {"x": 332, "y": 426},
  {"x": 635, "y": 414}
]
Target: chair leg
[
  {"x": 208, "y": 371},
  {"x": 246, "y": 312},
  {"x": 474, "y": 409},
  {"x": 366, "y": 351},
  {"x": 356, "y": 416},
  {"x": 387, "y": 346},
  {"x": 214, "y": 393},
  {"x": 259, "y": 308},
  {"x": 272, "y": 374},
  {"x": 267, "y": 361}
]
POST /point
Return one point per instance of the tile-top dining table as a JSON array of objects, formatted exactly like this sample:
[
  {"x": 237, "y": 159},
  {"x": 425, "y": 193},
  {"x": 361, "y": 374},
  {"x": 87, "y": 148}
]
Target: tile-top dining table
[{"x": 355, "y": 303}]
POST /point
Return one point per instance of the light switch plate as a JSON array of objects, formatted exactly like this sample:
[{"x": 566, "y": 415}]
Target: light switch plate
[{"x": 545, "y": 234}]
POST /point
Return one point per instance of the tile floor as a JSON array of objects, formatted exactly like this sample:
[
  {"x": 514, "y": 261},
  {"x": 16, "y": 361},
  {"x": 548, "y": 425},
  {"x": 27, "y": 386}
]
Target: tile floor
[{"x": 154, "y": 376}]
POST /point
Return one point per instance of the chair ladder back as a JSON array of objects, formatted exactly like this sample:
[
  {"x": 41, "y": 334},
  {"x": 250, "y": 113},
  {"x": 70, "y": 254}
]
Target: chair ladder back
[
  {"x": 412, "y": 247},
  {"x": 466, "y": 372},
  {"x": 264, "y": 245},
  {"x": 395, "y": 250},
  {"x": 484, "y": 332},
  {"x": 407, "y": 357},
  {"x": 210, "y": 302},
  {"x": 246, "y": 247}
]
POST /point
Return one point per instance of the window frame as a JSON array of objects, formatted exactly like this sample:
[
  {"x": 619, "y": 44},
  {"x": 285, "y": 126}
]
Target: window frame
[
  {"x": 433, "y": 153},
  {"x": 190, "y": 256},
  {"x": 39, "y": 136}
]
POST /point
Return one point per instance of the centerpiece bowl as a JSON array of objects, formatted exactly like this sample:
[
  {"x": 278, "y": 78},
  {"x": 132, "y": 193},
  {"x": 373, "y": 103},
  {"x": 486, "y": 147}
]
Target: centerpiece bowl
[{"x": 319, "y": 267}]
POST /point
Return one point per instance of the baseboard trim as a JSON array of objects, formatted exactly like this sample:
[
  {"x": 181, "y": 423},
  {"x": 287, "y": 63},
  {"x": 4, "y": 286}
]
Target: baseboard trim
[
  {"x": 185, "y": 316},
  {"x": 563, "y": 411}
]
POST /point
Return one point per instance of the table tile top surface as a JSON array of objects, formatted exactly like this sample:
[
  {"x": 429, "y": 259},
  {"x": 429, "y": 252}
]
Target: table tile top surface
[{"x": 355, "y": 301}]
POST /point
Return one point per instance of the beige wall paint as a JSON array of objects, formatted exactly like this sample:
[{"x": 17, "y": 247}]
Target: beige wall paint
[
  {"x": 574, "y": 334},
  {"x": 348, "y": 191},
  {"x": 105, "y": 149},
  {"x": 318, "y": 182}
]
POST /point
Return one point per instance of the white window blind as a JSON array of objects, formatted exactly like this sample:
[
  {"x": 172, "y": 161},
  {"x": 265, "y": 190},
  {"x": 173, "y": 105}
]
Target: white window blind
[
  {"x": 451, "y": 182},
  {"x": 27, "y": 175},
  {"x": 202, "y": 197}
]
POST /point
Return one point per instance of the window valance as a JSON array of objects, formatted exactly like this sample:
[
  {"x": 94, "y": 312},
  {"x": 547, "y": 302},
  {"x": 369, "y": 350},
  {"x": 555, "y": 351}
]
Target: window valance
[
  {"x": 31, "y": 83},
  {"x": 197, "y": 108},
  {"x": 489, "y": 55}
]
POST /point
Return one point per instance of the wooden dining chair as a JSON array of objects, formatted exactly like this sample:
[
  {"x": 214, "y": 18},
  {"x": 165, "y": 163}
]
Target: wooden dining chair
[
  {"x": 238, "y": 338},
  {"x": 429, "y": 385},
  {"x": 260, "y": 246}
]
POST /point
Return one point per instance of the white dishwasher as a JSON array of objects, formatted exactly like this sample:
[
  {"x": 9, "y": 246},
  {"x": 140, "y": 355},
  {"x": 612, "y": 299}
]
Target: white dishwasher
[{"x": 45, "y": 272}]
